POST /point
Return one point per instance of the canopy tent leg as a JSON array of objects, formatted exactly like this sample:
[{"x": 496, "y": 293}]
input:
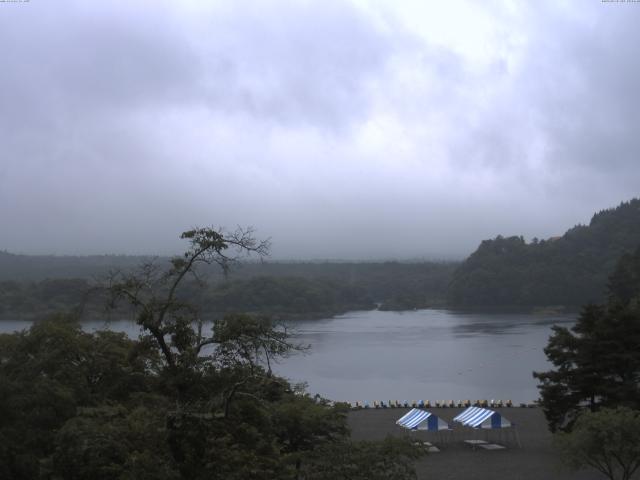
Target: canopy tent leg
[{"x": 515, "y": 433}]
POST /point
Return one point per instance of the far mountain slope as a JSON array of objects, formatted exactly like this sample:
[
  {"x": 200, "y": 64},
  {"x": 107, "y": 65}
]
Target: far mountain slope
[{"x": 570, "y": 270}]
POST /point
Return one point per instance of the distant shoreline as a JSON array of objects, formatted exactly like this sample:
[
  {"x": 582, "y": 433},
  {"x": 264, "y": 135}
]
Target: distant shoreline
[{"x": 295, "y": 317}]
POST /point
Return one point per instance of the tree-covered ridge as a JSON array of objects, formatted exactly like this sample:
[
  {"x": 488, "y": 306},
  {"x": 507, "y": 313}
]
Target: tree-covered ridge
[
  {"x": 287, "y": 296},
  {"x": 570, "y": 270},
  {"x": 35, "y": 268},
  {"x": 296, "y": 290},
  {"x": 327, "y": 289}
]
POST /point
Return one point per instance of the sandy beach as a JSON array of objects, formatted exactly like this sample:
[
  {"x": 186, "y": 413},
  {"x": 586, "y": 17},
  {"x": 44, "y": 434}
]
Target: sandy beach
[{"x": 534, "y": 460}]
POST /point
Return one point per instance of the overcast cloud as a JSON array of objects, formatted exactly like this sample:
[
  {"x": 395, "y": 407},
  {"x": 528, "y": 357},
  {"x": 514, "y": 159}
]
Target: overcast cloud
[{"x": 340, "y": 129}]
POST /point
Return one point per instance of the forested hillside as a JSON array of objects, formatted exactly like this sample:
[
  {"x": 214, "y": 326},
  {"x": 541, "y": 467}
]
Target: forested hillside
[
  {"x": 40, "y": 267},
  {"x": 504, "y": 272},
  {"x": 570, "y": 270},
  {"x": 43, "y": 285}
]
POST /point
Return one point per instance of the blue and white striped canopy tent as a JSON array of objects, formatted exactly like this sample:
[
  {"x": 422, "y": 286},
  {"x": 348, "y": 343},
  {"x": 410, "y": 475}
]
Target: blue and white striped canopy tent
[
  {"x": 477, "y": 417},
  {"x": 418, "y": 419}
]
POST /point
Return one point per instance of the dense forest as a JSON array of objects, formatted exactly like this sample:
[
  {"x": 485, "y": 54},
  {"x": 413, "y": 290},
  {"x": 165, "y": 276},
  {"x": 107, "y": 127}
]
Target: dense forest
[
  {"x": 181, "y": 401},
  {"x": 34, "y": 268},
  {"x": 504, "y": 272},
  {"x": 596, "y": 362},
  {"x": 100, "y": 406},
  {"x": 284, "y": 290},
  {"x": 570, "y": 270}
]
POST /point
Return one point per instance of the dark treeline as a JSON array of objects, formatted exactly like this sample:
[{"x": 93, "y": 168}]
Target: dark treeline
[
  {"x": 99, "y": 406},
  {"x": 596, "y": 362},
  {"x": 35, "y": 268},
  {"x": 27, "y": 300},
  {"x": 504, "y": 272},
  {"x": 286, "y": 290},
  {"x": 183, "y": 401},
  {"x": 394, "y": 285},
  {"x": 570, "y": 270},
  {"x": 590, "y": 395}
]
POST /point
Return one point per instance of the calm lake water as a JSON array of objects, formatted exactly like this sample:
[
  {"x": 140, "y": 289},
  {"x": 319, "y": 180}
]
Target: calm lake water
[{"x": 423, "y": 354}]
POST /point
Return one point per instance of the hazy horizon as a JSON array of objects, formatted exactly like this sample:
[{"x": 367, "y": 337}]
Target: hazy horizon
[
  {"x": 309, "y": 259},
  {"x": 345, "y": 130}
]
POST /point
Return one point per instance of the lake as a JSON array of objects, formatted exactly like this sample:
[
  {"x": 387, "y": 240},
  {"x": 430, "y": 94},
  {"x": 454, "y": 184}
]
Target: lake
[{"x": 422, "y": 354}]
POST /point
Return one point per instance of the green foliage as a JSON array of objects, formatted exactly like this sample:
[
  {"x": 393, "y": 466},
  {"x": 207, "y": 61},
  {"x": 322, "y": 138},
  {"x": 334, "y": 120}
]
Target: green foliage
[
  {"x": 597, "y": 361},
  {"x": 114, "y": 442},
  {"x": 286, "y": 296},
  {"x": 607, "y": 440},
  {"x": 37, "y": 268},
  {"x": 247, "y": 341},
  {"x": 282, "y": 290},
  {"x": 569, "y": 270},
  {"x": 624, "y": 283},
  {"x": 177, "y": 403},
  {"x": 18, "y": 300},
  {"x": 302, "y": 423},
  {"x": 321, "y": 289},
  {"x": 97, "y": 405},
  {"x": 391, "y": 459},
  {"x": 152, "y": 292},
  {"x": 48, "y": 373}
]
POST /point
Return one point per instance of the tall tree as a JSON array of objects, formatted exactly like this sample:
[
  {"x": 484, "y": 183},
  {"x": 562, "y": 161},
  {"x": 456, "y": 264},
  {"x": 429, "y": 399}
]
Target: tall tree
[
  {"x": 53, "y": 371},
  {"x": 597, "y": 361},
  {"x": 154, "y": 294},
  {"x": 176, "y": 403},
  {"x": 608, "y": 441}
]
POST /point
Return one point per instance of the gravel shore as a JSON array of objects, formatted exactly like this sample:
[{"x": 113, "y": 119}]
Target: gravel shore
[{"x": 535, "y": 460}]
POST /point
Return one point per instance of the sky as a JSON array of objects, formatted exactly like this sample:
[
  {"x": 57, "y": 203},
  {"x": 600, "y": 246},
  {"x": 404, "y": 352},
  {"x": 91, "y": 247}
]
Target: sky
[{"x": 338, "y": 129}]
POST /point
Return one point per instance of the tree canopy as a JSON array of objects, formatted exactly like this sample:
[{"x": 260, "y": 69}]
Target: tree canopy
[
  {"x": 569, "y": 270},
  {"x": 607, "y": 440},
  {"x": 281, "y": 290},
  {"x": 182, "y": 401},
  {"x": 597, "y": 361}
]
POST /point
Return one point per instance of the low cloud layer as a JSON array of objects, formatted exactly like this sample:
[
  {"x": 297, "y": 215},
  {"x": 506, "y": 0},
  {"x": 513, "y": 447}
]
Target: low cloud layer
[{"x": 339, "y": 129}]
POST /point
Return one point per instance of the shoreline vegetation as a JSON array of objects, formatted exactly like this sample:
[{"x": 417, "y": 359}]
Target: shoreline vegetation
[
  {"x": 571, "y": 269},
  {"x": 97, "y": 312},
  {"x": 9, "y": 316},
  {"x": 78, "y": 402},
  {"x": 552, "y": 276},
  {"x": 288, "y": 292},
  {"x": 101, "y": 405}
]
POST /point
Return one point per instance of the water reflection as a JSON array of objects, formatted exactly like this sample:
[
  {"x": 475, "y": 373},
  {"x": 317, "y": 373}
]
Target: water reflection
[{"x": 506, "y": 324}]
